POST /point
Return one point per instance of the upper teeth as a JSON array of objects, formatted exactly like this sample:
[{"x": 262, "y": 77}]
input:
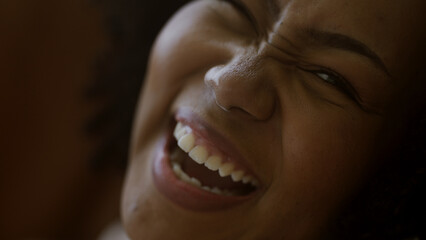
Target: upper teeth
[{"x": 214, "y": 162}]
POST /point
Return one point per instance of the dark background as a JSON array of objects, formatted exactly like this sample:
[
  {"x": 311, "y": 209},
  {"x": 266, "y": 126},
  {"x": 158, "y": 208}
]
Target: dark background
[{"x": 70, "y": 73}]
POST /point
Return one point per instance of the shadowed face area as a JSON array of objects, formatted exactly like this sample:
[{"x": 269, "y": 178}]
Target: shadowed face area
[{"x": 299, "y": 98}]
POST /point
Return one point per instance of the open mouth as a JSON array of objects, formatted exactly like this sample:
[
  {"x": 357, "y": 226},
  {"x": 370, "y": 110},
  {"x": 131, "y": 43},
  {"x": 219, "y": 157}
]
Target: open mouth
[
  {"x": 198, "y": 169},
  {"x": 198, "y": 162}
]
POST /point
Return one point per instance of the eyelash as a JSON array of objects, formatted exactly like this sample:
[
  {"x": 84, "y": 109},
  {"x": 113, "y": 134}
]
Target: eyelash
[
  {"x": 337, "y": 81},
  {"x": 322, "y": 74}
]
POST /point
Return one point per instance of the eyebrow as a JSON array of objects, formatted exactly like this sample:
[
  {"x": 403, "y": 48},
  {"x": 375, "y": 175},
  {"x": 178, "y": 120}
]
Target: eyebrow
[
  {"x": 344, "y": 42},
  {"x": 335, "y": 40}
]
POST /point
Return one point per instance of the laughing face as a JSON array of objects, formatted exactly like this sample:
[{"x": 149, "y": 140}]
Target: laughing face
[{"x": 261, "y": 119}]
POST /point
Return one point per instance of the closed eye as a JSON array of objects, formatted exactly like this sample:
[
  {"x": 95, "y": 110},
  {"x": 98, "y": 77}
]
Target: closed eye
[
  {"x": 337, "y": 81},
  {"x": 327, "y": 77}
]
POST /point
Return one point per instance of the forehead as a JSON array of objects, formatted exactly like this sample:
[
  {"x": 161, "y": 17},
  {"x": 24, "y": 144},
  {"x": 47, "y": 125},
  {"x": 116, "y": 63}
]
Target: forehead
[{"x": 391, "y": 28}]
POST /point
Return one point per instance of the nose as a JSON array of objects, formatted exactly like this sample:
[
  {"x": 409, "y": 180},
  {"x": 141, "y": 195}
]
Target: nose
[{"x": 242, "y": 85}]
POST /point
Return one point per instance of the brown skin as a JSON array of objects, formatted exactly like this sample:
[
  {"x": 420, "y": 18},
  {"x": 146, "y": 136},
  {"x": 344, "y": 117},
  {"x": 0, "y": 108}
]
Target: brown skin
[{"x": 312, "y": 145}]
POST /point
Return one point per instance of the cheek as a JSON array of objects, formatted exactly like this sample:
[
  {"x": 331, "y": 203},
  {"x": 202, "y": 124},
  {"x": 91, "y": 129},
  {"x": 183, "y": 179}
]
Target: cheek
[
  {"x": 328, "y": 157},
  {"x": 328, "y": 152}
]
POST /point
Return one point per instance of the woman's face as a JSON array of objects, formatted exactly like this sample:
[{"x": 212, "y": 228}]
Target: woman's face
[{"x": 293, "y": 101}]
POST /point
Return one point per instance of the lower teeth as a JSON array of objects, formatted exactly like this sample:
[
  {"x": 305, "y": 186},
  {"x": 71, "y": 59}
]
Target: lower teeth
[{"x": 195, "y": 182}]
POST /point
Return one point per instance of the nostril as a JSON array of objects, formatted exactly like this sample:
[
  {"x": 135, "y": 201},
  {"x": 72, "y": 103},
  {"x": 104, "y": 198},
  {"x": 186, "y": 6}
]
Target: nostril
[
  {"x": 226, "y": 109},
  {"x": 238, "y": 86},
  {"x": 258, "y": 106}
]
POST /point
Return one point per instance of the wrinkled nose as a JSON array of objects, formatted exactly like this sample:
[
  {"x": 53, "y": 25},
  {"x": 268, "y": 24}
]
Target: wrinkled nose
[{"x": 242, "y": 85}]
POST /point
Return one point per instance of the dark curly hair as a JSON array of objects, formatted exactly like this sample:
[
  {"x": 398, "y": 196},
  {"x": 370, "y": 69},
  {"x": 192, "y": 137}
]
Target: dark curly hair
[{"x": 391, "y": 206}]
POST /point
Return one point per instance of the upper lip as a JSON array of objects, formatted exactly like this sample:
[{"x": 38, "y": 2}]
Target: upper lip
[{"x": 214, "y": 137}]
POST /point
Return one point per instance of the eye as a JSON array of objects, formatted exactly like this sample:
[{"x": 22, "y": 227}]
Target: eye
[
  {"x": 337, "y": 81},
  {"x": 327, "y": 77}
]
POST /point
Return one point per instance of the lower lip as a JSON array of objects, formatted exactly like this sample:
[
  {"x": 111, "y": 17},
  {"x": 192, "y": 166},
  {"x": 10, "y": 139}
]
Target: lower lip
[{"x": 184, "y": 194}]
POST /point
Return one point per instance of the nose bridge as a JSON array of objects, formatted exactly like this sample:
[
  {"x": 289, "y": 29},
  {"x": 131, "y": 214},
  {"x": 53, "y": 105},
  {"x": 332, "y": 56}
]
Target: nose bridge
[{"x": 242, "y": 84}]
